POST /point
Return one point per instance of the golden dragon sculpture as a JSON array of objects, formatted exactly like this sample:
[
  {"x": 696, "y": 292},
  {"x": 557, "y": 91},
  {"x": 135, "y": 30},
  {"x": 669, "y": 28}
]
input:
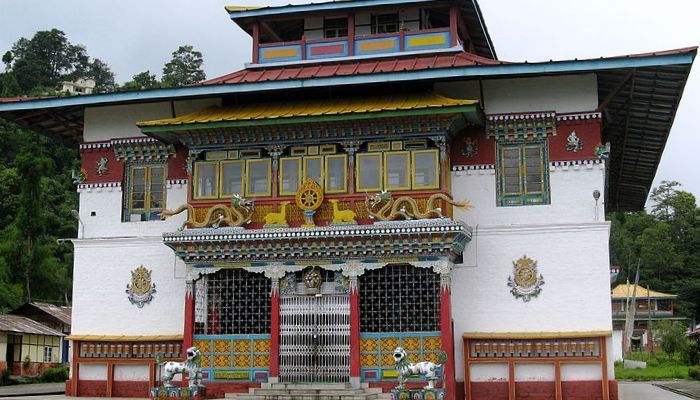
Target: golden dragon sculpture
[
  {"x": 238, "y": 214},
  {"x": 383, "y": 207}
]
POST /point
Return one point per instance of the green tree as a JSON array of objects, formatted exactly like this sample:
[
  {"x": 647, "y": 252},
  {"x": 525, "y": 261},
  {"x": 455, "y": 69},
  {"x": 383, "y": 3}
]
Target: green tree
[
  {"x": 103, "y": 76},
  {"x": 185, "y": 68},
  {"x": 9, "y": 86},
  {"x": 672, "y": 336},
  {"x": 141, "y": 81}
]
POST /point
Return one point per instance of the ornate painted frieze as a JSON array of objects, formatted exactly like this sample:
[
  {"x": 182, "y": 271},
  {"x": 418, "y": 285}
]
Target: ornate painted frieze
[
  {"x": 140, "y": 291},
  {"x": 332, "y": 131},
  {"x": 92, "y": 146},
  {"x": 141, "y": 149},
  {"x": 525, "y": 283},
  {"x": 579, "y": 116},
  {"x": 434, "y": 238},
  {"x": 521, "y": 126}
]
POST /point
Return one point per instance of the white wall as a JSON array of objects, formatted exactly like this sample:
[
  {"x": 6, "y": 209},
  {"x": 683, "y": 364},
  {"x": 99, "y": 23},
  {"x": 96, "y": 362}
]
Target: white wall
[
  {"x": 131, "y": 373},
  {"x": 3, "y": 346},
  {"x": 573, "y": 260},
  {"x": 102, "y": 269},
  {"x": 106, "y": 203},
  {"x": 563, "y": 93},
  {"x": 571, "y": 197},
  {"x": 93, "y": 372},
  {"x": 111, "y": 122}
]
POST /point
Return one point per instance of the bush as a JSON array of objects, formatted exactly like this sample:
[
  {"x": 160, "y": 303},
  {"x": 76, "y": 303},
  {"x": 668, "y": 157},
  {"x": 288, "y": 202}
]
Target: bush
[
  {"x": 5, "y": 377},
  {"x": 59, "y": 374},
  {"x": 694, "y": 373}
]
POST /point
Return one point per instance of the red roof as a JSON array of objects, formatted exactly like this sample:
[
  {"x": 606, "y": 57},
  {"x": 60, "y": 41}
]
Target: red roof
[
  {"x": 373, "y": 66},
  {"x": 357, "y": 67}
]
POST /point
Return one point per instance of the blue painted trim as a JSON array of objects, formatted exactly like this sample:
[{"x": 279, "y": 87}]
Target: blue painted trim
[
  {"x": 335, "y": 5},
  {"x": 310, "y": 46},
  {"x": 571, "y": 66},
  {"x": 230, "y": 337}
]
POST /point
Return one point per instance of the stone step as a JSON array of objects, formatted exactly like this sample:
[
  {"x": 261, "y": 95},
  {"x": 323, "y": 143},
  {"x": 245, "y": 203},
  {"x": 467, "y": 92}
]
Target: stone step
[
  {"x": 321, "y": 391},
  {"x": 366, "y": 396},
  {"x": 316, "y": 386}
]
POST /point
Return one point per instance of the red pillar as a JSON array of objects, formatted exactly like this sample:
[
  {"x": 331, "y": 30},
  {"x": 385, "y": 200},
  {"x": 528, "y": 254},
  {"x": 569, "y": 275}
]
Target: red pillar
[
  {"x": 354, "y": 331},
  {"x": 447, "y": 338},
  {"x": 189, "y": 317},
  {"x": 275, "y": 332}
]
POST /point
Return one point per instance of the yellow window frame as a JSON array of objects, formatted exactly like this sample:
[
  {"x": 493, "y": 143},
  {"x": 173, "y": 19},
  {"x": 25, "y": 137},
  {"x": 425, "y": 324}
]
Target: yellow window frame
[
  {"x": 345, "y": 173},
  {"x": 281, "y": 174},
  {"x": 195, "y": 186},
  {"x": 148, "y": 182},
  {"x": 358, "y": 177},
  {"x": 250, "y": 162},
  {"x": 320, "y": 164},
  {"x": 221, "y": 177},
  {"x": 407, "y": 173},
  {"x": 436, "y": 157}
]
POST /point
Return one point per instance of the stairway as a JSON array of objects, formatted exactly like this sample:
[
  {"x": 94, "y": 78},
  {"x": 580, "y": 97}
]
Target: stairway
[{"x": 311, "y": 391}]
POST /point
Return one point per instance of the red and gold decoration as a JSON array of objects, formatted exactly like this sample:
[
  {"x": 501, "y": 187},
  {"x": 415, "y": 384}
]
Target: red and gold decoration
[
  {"x": 525, "y": 283},
  {"x": 140, "y": 290},
  {"x": 309, "y": 198}
]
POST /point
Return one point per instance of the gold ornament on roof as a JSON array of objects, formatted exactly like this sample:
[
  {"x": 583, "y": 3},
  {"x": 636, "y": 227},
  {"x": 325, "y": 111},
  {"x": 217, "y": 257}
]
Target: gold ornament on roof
[
  {"x": 278, "y": 218},
  {"x": 310, "y": 195}
]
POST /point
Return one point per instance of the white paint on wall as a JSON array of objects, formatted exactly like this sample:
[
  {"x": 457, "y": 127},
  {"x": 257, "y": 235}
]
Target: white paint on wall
[
  {"x": 106, "y": 204},
  {"x": 581, "y": 372},
  {"x": 102, "y": 269},
  {"x": 131, "y": 373},
  {"x": 3, "y": 346},
  {"x": 488, "y": 372},
  {"x": 93, "y": 372},
  {"x": 566, "y": 93},
  {"x": 534, "y": 372},
  {"x": 571, "y": 191},
  {"x": 573, "y": 260},
  {"x": 112, "y": 122}
]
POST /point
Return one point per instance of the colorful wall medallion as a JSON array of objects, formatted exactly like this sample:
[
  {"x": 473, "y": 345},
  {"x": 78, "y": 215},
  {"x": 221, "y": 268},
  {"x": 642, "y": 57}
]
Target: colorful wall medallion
[
  {"x": 573, "y": 142},
  {"x": 140, "y": 290},
  {"x": 470, "y": 148},
  {"x": 525, "y": 283}
]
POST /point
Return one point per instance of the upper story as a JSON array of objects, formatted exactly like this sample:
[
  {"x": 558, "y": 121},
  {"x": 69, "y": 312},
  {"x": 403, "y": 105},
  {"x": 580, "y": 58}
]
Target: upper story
[
  {"x": 362, "y": 29},
  {"x": 648, "y": 303},
  {"x": 525, "y": 143}
]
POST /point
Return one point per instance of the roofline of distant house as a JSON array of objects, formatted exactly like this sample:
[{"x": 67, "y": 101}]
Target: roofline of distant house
[
  {"x": 313, "y": 7},
  {"x": 478, "y": 71}
]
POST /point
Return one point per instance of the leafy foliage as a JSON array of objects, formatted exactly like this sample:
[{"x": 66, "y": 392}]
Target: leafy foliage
[
  {"x": 185, "y": 68},
  {"x": 141, "y": 81},
  {"x": 665, "y": 242}
]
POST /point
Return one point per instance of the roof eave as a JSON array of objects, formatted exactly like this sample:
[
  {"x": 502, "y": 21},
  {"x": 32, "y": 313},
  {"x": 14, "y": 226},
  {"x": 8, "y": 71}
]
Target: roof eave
[{"x": 479, "y": 71}]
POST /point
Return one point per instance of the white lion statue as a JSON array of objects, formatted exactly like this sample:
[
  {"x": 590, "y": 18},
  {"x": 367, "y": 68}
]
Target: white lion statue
[
  {"x": 192, "y": 366},
  {"x": 425, "y": 369}
]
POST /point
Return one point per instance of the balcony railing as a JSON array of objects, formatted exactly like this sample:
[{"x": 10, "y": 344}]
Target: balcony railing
[
  {"x": 399, "y": 42},
  {"x": 644, "y": 314}
]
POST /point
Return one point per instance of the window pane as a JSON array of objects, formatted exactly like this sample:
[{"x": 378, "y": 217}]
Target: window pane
[
  {"x": 312, "y": 169},
  {"x": 258, "y": 178},
  {"x": 396, "y": 171},
  {"x": 335, "y": 174},
  {"x": 369, "y": 172},
  {"x": 207, "y": 182},
  {"x": 232, "y": 178},
  {"x": 290, "y": 168},
  {"x": 425, "y": 173}
]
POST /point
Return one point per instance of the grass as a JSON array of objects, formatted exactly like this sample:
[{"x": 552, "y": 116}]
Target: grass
[{"x": 662, "y": 372}]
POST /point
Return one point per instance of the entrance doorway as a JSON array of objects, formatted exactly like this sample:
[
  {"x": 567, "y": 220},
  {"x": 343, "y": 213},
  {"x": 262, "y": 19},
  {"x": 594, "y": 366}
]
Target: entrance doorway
[{"x": 315, "y": 338}]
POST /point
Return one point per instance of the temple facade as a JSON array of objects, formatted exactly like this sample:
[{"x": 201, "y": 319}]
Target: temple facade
[{"x": 374, "y": 178}]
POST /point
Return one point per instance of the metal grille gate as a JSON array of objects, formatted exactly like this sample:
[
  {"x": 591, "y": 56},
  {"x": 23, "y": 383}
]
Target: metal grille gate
[{"x": 315, "y": 338}]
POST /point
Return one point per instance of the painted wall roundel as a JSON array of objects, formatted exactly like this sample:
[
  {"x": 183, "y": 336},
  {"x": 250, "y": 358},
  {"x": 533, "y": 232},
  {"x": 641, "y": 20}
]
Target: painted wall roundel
[
  {"x": 141, "y": 289},
  {"x": 525, "y": 283}
]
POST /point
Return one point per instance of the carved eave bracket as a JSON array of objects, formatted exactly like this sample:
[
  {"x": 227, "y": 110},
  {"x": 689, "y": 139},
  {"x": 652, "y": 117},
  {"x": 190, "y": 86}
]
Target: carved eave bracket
[
  {"x": 521, "y": 126},
  {"x": 141, "y": 149}
]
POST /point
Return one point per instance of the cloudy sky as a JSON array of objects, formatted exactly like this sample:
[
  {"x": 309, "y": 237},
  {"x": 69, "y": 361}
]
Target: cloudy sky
[{"x": 138, "y": 35}]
